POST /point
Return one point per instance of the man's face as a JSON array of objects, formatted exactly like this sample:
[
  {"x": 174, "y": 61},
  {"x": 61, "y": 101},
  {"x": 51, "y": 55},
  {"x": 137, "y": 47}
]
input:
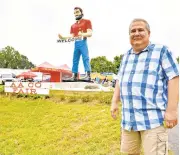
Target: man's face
[
  {"x": 139, "y": 35},
  {"x": 77, "y": 13}
]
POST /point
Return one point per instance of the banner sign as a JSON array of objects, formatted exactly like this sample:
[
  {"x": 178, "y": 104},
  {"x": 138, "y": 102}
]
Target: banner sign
[{"x": 27, "y": 87}]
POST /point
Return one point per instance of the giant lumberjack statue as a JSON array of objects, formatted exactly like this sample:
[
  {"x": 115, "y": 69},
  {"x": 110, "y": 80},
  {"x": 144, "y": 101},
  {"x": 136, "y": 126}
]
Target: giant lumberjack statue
[{"x": 80, "y": 30}]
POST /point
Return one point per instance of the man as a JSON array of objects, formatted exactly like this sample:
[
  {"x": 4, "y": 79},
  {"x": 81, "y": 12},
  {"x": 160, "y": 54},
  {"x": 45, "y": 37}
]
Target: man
[
  {"x": 148, "y": 90},
  {"x": 81, "y": 29}
]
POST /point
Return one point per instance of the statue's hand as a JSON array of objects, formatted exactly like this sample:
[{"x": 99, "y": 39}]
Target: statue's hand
[{"x": 60, "y": 36}]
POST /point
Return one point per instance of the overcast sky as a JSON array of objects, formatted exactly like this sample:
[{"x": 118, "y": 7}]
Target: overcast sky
[{"x": 32, "y": 26}]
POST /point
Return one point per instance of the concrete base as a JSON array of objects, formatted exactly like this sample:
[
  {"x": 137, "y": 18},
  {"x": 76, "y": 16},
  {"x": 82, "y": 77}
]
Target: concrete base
[{"x": 78, "y": 86}]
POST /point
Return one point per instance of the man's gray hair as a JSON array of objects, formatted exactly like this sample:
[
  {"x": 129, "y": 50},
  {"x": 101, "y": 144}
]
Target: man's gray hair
[{"x": 140, "y": 20}]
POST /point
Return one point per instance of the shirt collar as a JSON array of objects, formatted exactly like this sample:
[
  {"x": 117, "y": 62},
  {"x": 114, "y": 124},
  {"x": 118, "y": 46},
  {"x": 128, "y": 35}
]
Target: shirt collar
[
  {"x": 147, "y": 49},
  {"x": 79, "y": 21}
]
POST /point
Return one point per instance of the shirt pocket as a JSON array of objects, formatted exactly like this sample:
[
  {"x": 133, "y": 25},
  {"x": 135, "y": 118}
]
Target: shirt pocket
[
  {"x": 162, "y": 144},
  {"x": 148, "y": 68}
]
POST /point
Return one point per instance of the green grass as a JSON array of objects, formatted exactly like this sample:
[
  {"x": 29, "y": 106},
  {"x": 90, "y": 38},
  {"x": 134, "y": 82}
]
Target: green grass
[
  {"x": 68, "y": 123},
  {"x": 42, "y": 127},
  {"x": 1, "y": 88}
]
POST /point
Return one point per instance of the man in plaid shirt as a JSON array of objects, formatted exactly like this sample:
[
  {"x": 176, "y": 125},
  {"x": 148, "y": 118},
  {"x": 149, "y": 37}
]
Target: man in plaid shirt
[{"x": 148, "y": 88}]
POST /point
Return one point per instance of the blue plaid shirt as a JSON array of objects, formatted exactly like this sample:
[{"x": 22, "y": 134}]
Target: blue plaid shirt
[{"x": 143, "y": 80}]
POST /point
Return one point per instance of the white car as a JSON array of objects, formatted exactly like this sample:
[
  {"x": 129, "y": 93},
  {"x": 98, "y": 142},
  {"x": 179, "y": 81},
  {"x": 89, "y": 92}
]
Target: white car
[{"x": 7, "y": 77}]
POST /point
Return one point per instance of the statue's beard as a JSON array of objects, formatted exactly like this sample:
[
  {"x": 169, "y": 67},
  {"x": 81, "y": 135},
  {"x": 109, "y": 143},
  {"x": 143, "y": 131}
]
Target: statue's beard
[{"x": 79, "y": 17}]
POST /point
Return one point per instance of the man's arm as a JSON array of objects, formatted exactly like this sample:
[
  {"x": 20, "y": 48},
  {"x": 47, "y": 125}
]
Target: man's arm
[
  {"x": 171, "y": 114},
  {"x": 173, "y": 93},
  {"x": 88, "y": 29},
  {"x": 170, "y": 69},
  {"x": 115, "y": 100},
  {"x": 87, "y": 34}
]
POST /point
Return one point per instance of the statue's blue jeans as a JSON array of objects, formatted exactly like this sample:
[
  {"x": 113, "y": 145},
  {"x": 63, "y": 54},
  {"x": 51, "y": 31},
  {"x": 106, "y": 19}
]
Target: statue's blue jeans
[{"x": 81, "y": 48}]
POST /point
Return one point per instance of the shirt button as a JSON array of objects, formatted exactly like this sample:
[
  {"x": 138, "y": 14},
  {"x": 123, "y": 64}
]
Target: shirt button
[{"x": 132, "y": 72}]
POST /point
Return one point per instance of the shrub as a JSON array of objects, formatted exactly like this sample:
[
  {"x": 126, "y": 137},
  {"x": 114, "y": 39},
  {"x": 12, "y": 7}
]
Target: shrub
[
  {"x": 46, "y": 97},
  {"x": 72, "y": 98},
  {"x": 20, "y": 95},
  {"x": 62, "y": 97},
  {"x": 1, "y": 89},
  {"x": 86, "y": 98},
  {"x": 91, "y": 87},
  {"x": 37, "y": 97},
  {"x": 26, "y": 95},
  {"x": 106, "y": 99}
]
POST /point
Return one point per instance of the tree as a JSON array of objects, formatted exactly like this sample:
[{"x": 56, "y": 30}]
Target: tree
[
  {"x": 101, "y": 64},
  {"x": 10, "y": 58},
  {"x": 116, "y": 62}
]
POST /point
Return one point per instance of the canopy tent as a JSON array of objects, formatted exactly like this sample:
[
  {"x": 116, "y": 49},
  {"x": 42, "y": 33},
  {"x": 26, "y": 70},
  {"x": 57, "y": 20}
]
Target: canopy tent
[
  {"x": 27, "y": 75},
  {"x": 56, "y": 73},
  {"x": 64, "y": 67},
  {"x": 47, "y": 66}
]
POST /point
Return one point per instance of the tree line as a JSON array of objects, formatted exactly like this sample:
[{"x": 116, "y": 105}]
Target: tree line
[
  {"x": 101, "y": 64},
  {"x": 11, "y": 58}
]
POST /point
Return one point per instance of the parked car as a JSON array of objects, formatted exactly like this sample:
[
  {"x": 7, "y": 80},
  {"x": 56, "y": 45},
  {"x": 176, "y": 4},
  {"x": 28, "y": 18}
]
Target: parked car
[{"x": 7, "y": 77}]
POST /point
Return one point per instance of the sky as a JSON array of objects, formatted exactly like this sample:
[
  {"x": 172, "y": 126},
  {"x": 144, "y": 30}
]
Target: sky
[{"x": 32, "y": 26}]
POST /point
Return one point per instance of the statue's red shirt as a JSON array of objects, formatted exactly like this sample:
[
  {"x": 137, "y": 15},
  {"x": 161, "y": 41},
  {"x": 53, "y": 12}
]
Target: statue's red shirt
[{"x": 82, "y": 26}]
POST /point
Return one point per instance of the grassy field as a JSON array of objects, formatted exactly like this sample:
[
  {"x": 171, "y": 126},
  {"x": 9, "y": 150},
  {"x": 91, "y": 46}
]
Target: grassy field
[
  {"x": 67, "y": 123},
  {"x": 53, "y": 127}
]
